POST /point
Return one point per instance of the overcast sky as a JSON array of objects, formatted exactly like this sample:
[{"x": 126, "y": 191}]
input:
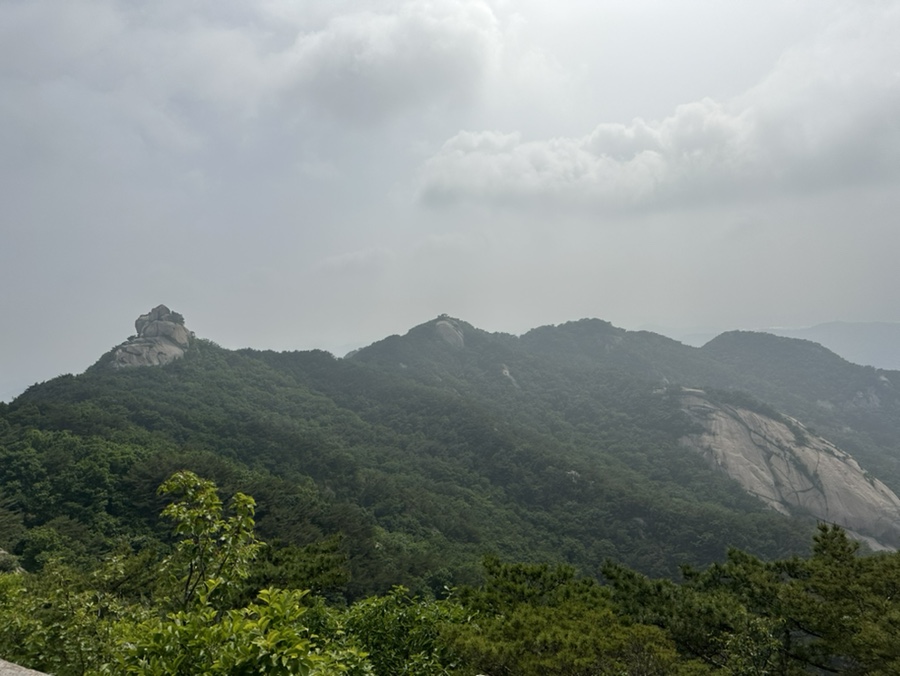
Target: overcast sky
[{"x": 291, "y": 174}]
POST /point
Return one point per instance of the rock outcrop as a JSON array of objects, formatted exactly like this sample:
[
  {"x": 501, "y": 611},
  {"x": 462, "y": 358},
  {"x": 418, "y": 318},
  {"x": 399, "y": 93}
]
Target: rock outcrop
[
  {"x": 792, "y": 470},
  {"x": 10, "y": 669},
  {"x": 161, "y": 338},
  {"x": 8, "y": 562},
  {"x": 450, "y": 332}
]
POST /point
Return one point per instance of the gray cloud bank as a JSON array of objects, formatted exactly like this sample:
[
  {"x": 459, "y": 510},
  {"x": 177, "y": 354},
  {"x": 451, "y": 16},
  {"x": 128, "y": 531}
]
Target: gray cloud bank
[{"x": 827, "y": 116}]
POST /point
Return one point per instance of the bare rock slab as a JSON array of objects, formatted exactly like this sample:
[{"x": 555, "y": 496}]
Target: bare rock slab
[
  {"x": 10, "y": 669},
  {"x": 793, "y": 470}
]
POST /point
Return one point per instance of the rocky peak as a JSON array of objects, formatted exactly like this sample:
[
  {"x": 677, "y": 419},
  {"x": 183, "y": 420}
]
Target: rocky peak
[{"x": 161, "y": 338}]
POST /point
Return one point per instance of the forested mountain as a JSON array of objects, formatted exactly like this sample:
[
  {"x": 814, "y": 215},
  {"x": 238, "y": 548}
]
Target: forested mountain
[
  {"x": 412, "y": 459},
  {"x": 422, "y": 452}
]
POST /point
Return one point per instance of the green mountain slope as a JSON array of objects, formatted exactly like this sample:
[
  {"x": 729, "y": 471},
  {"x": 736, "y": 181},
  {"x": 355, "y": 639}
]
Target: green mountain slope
[{"x": 420, "y": 453}]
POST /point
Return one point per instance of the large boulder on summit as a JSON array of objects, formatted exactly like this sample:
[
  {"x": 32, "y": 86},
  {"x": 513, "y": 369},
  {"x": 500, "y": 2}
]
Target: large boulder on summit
[
  {"x": 161, "y": 322},
  {"x": 161, "y": 338}
]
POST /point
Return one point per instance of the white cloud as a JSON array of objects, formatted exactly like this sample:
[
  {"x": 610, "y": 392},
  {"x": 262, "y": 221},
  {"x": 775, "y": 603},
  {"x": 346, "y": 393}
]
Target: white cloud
[
  {"x": 364, "y": 65},
  {"x": 829, "y": 114},
  {"x": 212, "y": 69}
]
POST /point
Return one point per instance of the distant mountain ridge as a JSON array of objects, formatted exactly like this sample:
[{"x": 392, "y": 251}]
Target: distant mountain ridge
[
  {"x": 424, "y": 451},
  {"x": 763, "y": 364},
  {"x": 874, "y": 344}
]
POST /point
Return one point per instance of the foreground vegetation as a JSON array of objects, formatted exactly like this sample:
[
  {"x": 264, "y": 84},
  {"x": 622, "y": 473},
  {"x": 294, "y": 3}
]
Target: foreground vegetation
[{"x": 198, "y": 608}]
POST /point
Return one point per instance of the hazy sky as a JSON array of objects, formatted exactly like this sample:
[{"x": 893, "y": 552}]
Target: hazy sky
[{"x": 291, "y": 174}]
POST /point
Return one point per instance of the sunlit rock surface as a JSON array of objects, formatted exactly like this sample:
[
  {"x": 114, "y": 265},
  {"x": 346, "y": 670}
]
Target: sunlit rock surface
[
  {"x": 161, "y": 338},
  {"x": 792, "y": 470}
]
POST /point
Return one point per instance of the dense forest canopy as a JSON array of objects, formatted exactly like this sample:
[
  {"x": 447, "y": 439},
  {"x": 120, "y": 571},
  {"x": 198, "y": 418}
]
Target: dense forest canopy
[{"x": 199, "y": 608}]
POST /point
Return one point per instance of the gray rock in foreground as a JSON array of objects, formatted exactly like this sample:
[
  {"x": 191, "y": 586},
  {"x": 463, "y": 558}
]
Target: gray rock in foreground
[{"x": 10, "y": 669}]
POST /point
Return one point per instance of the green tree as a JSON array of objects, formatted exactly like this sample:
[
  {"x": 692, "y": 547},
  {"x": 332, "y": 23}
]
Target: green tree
[
  {"x": 403, "y": 635},
  {"x": 71, "y": 623},
  {"x": 833, "y": 612},
  {"x": 213, "y": 554},
  {"x": 538, "y": 620},
  {"x": 268, "y": 636},
  {"x": 842, "y": 609},
  {"x": 56, "y": 621},
  {"x": 203, "y": 635}
]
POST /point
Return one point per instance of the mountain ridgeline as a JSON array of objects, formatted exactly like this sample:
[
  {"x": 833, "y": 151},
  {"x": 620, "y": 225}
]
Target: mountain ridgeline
[{"x": 411, "y": 459}]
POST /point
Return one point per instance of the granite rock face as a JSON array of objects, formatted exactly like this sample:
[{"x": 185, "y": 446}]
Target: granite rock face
[
  {"x": 10, "y": 669},
  {"x": 161, "y": 338},
  {"x": 450, "y": 332},
  {"x": 793, "y": 470}
]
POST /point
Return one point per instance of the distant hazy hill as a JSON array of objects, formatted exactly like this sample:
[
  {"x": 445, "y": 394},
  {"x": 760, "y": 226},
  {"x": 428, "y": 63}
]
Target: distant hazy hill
[{"x": 868, "y": 343}]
